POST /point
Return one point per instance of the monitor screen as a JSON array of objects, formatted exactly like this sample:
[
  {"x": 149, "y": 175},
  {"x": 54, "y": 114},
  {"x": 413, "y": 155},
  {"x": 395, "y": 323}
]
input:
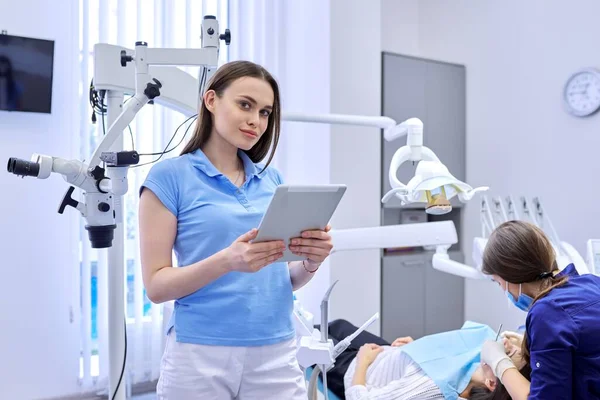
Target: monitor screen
[{"x": 26, "y": 74}]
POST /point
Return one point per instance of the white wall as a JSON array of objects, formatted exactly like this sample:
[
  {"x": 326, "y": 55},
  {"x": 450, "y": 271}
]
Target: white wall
[
  {"x": 39, "y": 343},
  {"x": 519, "y": 140},
  {"x": 355, "y": 35}
]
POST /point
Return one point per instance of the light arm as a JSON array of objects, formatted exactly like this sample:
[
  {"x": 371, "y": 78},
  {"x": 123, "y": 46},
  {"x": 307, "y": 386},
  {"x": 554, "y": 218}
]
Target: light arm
[
  {"x": 412, "y": 127},
  {"x": 441, "y": 261},
  {"x": 341, "y": 119},
  {"x": 404, "y": 235}
]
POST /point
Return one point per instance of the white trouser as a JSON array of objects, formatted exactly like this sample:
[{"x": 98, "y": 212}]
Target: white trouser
[{"x": 192, "y": 371}]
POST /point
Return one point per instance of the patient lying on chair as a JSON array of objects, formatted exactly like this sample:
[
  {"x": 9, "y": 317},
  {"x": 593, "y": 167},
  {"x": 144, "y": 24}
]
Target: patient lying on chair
[{"x": 444, "y": 365}]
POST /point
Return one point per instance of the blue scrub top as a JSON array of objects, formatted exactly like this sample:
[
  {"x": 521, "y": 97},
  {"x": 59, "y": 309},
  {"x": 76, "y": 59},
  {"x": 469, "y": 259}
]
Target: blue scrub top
[
  {"x": 237, "y": 309},
  {"x": 563, "y": 333}
]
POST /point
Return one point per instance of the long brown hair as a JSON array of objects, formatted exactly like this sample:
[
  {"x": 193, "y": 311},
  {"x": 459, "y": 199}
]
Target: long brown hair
[
  {"x": 219, "y": 82},
  {"x": 520, "y": 252}
]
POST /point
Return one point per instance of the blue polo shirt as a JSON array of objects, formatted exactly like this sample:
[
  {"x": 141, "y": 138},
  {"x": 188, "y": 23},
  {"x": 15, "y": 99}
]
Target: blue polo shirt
[
  {"x": 563, "y": 333},
  {"x": 237, "y": 309}
]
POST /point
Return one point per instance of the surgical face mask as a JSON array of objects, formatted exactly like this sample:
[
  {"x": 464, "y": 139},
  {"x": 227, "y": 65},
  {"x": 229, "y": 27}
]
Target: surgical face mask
[{"x": 523, "y": 303}]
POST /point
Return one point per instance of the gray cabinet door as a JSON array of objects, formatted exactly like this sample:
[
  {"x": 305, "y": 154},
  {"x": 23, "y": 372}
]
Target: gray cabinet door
[
  {"x": 418, "y": 300},
  {"x": 444, "y": 298},
  {"x": 403, "y": 288},
  {"x": 435, "y": 93}
]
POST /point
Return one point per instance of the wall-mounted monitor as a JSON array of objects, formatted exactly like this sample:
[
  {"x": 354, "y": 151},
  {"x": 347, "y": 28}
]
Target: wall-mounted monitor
[{"x": 26, "y": 70}]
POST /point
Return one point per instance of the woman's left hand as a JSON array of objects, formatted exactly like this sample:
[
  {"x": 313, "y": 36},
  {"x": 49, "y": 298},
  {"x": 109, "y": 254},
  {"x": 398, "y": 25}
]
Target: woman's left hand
[
  {"x": 367, "y": 354},
  {"x": 314, "y": 245}
]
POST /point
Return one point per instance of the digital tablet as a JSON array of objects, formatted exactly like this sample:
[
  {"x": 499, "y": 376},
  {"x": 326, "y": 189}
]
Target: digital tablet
[{"x": 297, "y": 208}]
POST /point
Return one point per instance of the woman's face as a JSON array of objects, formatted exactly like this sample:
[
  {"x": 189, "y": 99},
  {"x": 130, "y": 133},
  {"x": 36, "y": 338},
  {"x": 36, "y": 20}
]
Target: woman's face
[{"x": 241, "y": 114}]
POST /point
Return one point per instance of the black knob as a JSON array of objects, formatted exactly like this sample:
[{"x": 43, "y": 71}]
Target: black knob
[
  {"x": 153, "y": 89},
  {"x": 210, "y": 31},
  {"x": 97, "y": 173},
  {"x": 125, "y": 58},
  {"x": 103, "y": 207},
  {"x": 226, "y": 36}
]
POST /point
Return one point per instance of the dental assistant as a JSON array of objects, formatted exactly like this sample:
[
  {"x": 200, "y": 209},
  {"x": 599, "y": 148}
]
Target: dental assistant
[
  {"x": 232, "y": 334},
  {"x": 563, "y": 321}
]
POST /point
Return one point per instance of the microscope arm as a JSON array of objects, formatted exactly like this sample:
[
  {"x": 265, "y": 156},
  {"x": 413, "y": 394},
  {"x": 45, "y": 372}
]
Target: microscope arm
[{"x": 130, "y": 109}]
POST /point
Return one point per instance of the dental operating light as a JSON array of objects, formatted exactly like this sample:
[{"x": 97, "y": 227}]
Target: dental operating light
[{"x": 432, "y": 184}]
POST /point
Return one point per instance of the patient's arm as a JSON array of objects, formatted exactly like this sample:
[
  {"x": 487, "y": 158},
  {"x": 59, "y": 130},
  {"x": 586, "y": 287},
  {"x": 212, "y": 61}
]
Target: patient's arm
[
  {"x": 360, "y": 375},
  {"x": 365, "y": 357}
]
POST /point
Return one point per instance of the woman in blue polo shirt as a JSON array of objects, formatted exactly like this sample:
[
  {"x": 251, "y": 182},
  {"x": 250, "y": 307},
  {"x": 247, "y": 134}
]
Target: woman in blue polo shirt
[
  {"x": 563, "y": 322},
  {"x": 231, "y": 334}
]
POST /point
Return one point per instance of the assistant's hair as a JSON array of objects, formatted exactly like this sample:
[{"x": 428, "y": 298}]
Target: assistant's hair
[
  {"x": 219, "y": 82},
  {"x": 520, "y": 252}
]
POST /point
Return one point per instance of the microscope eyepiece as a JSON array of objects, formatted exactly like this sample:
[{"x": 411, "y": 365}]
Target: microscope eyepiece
[{"x": 23, "y": 167}]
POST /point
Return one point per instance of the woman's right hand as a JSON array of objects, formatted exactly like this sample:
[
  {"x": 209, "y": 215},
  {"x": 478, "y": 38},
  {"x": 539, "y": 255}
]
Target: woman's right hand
[
  {"x": 514, "y": 338},
  {"x": 367, "y": 354},
  {"x": 513, "y": 342},
  {"x": 243, "y": 256}
]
